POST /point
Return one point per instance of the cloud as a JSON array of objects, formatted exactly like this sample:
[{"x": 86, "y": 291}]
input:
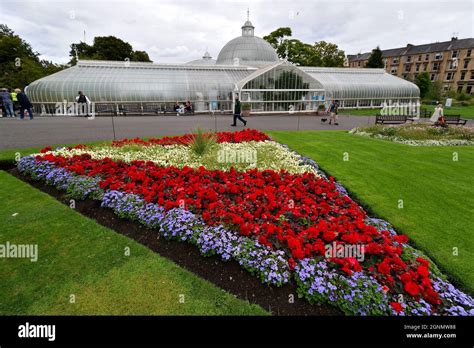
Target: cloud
[{"x": 179, "y": 31}]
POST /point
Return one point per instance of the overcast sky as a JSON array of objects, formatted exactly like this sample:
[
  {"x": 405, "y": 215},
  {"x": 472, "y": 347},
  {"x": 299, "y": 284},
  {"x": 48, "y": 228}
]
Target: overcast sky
[{"x": 177, "y": 31}]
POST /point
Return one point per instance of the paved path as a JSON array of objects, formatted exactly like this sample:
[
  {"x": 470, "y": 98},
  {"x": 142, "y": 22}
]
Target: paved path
[{"x": 42, "y": 131}]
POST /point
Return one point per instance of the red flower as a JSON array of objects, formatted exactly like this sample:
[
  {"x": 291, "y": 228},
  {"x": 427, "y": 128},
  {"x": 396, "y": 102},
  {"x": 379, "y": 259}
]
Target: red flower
[
  {"x": 383, "y": 268},
  {"x": 397, "y": 306},
  {"x": 423, "y": 271},
  {"x": 412, "y": 289}
]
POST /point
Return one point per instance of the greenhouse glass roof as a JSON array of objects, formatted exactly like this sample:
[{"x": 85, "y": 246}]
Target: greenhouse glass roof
[{"x": 345, "y": 83}]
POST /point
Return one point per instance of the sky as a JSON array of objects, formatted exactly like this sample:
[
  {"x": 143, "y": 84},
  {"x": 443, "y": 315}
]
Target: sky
[{"x": 182, "y": 30}]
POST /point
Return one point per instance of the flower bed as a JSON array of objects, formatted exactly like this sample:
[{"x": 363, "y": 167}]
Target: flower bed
[
  {"x": 276, "y": 224},
  {"x": 419, "y": 134}
]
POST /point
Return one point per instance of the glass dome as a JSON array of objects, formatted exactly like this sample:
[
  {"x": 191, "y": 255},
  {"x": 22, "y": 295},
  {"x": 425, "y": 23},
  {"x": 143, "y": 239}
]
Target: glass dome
[
  {"x": 248, "y": 50},
  {"x": 205, "y": 60}
]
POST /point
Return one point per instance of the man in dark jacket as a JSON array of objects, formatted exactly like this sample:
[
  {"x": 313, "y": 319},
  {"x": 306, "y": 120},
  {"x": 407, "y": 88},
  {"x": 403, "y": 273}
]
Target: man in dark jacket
[
  {"x": 25, "y": 104},
  {"x": 237, "y": 112}
]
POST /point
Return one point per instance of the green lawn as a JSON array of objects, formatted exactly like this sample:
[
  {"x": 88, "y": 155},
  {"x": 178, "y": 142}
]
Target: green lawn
[
  {"x": 465, "y": 111},
  {"x": 437, "y": 192},
  {"x": 79, "y": 257}
]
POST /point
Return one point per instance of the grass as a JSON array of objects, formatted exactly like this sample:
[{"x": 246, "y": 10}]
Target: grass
[
  {"x": 437, "y": 192},
  {"x": 466, "y": 112},
  {"x": 79, "y": 257}
]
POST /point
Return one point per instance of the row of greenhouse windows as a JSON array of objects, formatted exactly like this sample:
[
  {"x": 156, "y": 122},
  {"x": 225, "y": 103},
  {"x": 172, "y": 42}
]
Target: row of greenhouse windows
[{"x": 206, "y": 106}]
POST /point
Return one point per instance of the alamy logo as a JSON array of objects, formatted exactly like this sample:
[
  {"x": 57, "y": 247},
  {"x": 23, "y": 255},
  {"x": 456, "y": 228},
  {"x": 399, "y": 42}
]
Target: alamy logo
[
  {"x": 356, "y": 251},
  {"x": 37, "y": 331},
  {"x": 19, "y": 251}
]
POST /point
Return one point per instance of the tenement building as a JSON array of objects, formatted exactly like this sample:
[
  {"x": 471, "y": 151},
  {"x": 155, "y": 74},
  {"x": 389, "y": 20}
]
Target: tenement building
[{"x": 449, "y": 62}]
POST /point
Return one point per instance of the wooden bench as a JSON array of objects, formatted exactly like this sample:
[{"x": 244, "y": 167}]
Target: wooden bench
[
  {"x": 392, "y": 119},
  {"x": 455, "y": 119}
]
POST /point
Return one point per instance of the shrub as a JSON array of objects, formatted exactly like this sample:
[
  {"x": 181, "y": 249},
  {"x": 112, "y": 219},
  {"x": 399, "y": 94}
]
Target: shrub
[{"x": 201, "y": 143}]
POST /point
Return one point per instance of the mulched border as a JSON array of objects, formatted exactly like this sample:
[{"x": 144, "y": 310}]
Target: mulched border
[{"x": 228, "y": 276}]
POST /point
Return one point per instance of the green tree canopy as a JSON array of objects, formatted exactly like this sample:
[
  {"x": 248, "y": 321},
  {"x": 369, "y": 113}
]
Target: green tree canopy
[
  {"x": 19, "y": 64},
  {"x": 320, "y": 54},
  {"x": 375, "y": 59},
  {"x": 107, "y": 48},
  {"x": 424, "y": 83}
]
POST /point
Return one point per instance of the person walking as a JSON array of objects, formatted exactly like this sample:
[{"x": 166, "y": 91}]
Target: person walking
[
  {"x": 333, "y": 112},
  {"x": 83, "y": 104},
  {"x": 24, "y": 104},
  {"x": 237, "y": 112},
  {"x": 438, "y": 112},
  {"x": 16, "y": 105},
  {"x": 7, "y": 102}
]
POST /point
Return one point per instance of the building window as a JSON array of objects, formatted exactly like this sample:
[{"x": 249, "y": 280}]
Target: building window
[
  {"x": 436, "y": 66},
  {"x": 472, "y": 75},
  {"x": 466, "y": 63},
  {"x": 417, "y": 67},
  {"x": 433, "y": 77},
  {"x": 449, "y": 76},
  {"x": 468, "y": 89},
  {"x": 463, "y": 75},
  {"x": 419, "y": 58},
  {"x": 453, "y": 64},
  {"x": 408, "y": 59},
  {"x": 358, "y": 63},
  {"x": 427, "y": 57},
  {"x": 393, "y": 70},
  {"x": 459, "y": 89},
  {"x": 455, "y": 54},
  {"x": 438, "y": 56},
  {"x": 425, "y": 66},
  {"x": 407, "y": 68},
  {"x": 395, "y": 60},
  {"x": 468, "y": 54}
]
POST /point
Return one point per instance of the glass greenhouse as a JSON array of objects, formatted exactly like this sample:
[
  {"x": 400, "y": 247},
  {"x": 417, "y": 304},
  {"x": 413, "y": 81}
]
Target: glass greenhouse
[{"x": 247, "y": 66}]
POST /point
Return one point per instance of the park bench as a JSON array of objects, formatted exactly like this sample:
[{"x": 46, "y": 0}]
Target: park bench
[
  {"x": 106, "y": 109},
  {"x": 133, "y": 108},
  {"x": 455, "y": 119},
  {"x": 151, "y": 108},
  {"x": 392, "y": 119}
]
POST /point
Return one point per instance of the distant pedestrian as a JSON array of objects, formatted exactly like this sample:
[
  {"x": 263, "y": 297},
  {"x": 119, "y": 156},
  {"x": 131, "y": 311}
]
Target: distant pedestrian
[
  {"x": 16, "y": 105},
  {"x": 83, "y": 104},
  {"x": 237, "y": 112},
  {"x": 438, "y": 112},
  {"x": 333, "y": 109},
  {"x": 24, "y": 104},
  {"x": 7, "y": 102}
]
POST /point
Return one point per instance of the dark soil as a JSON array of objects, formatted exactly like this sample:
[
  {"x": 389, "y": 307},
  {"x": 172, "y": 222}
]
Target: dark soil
[{"x": 226, "y": 275}]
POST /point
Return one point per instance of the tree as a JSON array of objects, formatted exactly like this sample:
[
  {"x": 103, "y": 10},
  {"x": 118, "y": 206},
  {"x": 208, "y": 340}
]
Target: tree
[
  {"x": 106, "y": 48},
  {"x": 375, "y": 59},
  {"x": 320, "y": 54},
  {"x": 327, "y": 54},
  {"x": 424, "y": 83},
  {"x": 19, "y": 64},
  {"x": 276, "y": 37},
  {"x": 436, "y": 91},
  {"x": 140, "y": 56}
]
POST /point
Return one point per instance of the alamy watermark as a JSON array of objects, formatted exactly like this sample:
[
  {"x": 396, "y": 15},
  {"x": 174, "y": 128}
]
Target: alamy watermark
[
  {"x": 335, "y": 250},
  {"x": 247, "y": 156},
  {"x": 19, "y": 251},
  {"x": 75, "y": 109},
  {"x": 400, "y": 109}
]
